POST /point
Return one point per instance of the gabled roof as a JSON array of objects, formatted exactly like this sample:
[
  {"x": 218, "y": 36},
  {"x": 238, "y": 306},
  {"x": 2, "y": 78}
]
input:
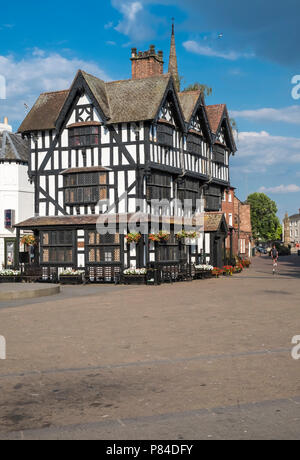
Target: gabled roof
[
  {"x": 213, "y": 221},
  {"x": 215, "y": 115},
  {"x": 98, "y": 88},
  {"x": 45, "y": 112},
  {"x": 121, "y": 101},
  {"x": 136, "y": 100},
  {"x": 188, "y": 101},
  {"x": 14, "y": 148}
]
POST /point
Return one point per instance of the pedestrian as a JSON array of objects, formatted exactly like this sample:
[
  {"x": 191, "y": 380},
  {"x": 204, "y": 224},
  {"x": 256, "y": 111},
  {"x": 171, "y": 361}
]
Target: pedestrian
[{"x": 274, "y": 255}]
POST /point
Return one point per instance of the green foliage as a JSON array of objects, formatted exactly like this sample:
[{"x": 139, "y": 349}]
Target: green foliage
[
  {"x": 234, "y": 125},
  {"x": 265, "y": 223},
  {"x": 206, "y": 90}
]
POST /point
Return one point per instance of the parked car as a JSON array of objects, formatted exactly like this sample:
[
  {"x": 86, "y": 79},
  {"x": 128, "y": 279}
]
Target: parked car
[{"x": 261, "y": 250}]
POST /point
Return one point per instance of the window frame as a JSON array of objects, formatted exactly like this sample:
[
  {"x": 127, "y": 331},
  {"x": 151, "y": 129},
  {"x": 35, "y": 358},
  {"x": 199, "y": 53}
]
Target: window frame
[
  {"x": 77, "y": 184},
  {"x": 84, "y": 132},
  {"x": 56, "y": 245}
]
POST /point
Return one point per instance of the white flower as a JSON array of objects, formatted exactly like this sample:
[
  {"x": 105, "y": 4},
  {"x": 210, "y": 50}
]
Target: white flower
[
  {"x": 10, "y": 273},
  {"x": 135, "y": 271},
  {"x": 204, "y": 267},
  {"x": 72, "y": 273}
]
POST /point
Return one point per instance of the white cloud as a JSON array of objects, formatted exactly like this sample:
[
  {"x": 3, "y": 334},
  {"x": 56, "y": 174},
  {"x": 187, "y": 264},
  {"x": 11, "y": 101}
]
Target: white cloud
[
  {"x": 38, "y": 72},
  {"x": 137, "y": 23},
  {"x": 287, "y": 114},
  {"x": 205, "y": 50},
  {"x": 292, "y": 188},
  {"x": 259, "y": 152}
]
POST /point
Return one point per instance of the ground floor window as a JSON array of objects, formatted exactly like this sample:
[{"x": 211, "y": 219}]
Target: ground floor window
[
  {"x": 242, "y": 246},
  {"x": 103, "y": 248},
  {"x": 168, "y": 252},
  {"x": 10, "y": 253},
  {"x": 57, "y": 246}
]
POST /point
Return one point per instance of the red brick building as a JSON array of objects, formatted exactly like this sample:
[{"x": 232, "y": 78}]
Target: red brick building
[{"x": 238, "y": 218}]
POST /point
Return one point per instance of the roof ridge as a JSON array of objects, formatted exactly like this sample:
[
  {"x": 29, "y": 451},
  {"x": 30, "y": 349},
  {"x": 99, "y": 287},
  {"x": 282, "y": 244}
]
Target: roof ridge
[
  {"x": 216, "y": 105},
  {"x": 55, "y": 92},
  {"x": 164, "y": 75},
  {"x": 198, "y": 91}
]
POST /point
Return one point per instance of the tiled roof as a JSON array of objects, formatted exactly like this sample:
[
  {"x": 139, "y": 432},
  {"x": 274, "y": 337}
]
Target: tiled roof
[
  {"x": 45, "y": 111},
  {"x": 93, "y": 219},
  {"x": 121, "y": 101},
  {"x": 212, "y": 221},
  {"x": 215, "y": 114},
  {"x": 13, "y": 147},
  {"x": 136, "y": 100},
  {"x": 85, "y": 169},
  {"x": 295, "y": 216},
  {"x": 188, "y": 100},
  {"x": 98, "y": 88}
]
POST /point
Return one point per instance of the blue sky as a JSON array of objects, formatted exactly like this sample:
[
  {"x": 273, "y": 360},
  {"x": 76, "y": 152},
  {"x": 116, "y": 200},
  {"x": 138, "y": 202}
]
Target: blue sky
[{"x": 248, "y": 52}]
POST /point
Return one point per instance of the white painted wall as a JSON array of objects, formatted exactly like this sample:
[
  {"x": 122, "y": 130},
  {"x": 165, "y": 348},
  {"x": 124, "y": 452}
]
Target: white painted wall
[{"x": 16, "y": 193}]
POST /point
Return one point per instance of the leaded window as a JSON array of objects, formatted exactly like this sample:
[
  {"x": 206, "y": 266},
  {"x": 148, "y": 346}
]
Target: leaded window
[
  {"x": 103, "y": 248},
  {"x": 194, "y": 144},
  {"x": 159, "y": 187},
  {"x": 84, "y": 136},
  {"x": 165, "y": 135},
  {"x": 57, "y": 247},
  {"x": 85, "y": 188},
  {"x": 218, "y": 154},
  {"x": 189, "y": 189},
  {"x": 168, "y": 252},
  {"x": 213, "y": 198}
]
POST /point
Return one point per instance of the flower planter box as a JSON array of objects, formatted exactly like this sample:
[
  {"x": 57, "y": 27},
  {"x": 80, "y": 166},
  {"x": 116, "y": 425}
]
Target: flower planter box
[
  {"x": 10, "y": 279},
  {"x": 71, "y": 279},
  {"x": 135, "y": 279},
  {"x": 203, "y": 274}
]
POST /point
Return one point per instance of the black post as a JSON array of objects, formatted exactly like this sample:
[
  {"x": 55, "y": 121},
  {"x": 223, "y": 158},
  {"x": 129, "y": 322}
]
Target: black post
[
  {"x": 17, "y": 260},
  {"x": 231, "y": 245}
]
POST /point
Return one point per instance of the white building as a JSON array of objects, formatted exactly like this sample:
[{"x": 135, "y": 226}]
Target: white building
[
  {"x": 294, "y": 222},
  {"x": 16, "y": 192}
]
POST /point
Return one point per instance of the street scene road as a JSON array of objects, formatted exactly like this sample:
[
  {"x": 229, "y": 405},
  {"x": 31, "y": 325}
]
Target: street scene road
[{"x": 208, "y": 359}]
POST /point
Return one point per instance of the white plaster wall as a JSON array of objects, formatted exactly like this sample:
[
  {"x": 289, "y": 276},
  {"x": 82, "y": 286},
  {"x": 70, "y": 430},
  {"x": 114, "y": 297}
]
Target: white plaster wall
[{"x": 16, "y": 193}]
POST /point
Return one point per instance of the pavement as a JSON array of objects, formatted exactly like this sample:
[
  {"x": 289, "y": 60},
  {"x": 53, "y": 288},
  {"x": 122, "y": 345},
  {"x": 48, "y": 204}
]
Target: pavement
[
  {"x": 21, "y": 291},
  {"x": 209, "y": 359}
]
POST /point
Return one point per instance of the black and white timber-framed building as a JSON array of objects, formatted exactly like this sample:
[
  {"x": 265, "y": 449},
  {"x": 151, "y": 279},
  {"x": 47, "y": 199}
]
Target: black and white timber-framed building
[{"x": 102, "y": 149}]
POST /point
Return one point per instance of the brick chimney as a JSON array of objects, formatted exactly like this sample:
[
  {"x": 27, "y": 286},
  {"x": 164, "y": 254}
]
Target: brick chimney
[{"x": 146, "y": 63}]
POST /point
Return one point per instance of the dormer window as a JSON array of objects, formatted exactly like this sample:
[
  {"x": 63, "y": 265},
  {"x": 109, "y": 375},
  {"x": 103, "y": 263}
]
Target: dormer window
[{"x": 84, "y": 134}]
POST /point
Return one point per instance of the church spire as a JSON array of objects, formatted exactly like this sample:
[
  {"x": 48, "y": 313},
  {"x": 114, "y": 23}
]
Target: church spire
[{"x": 173, "y": 66}]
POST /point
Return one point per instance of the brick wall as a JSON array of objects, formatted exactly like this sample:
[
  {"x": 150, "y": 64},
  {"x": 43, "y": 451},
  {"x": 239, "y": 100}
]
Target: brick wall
[{"x": 146, "y": 63}]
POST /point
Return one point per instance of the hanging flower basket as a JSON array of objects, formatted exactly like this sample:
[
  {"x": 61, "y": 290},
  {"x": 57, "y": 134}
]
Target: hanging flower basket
[
  {"x": 133, "y": 237},
  {"x": 28, "y": 239},
  {"x": 183, "y": 234},
  {"x": 160, "y": 237}
]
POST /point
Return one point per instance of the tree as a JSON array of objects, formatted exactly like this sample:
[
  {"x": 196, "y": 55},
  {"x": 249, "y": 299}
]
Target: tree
[
  {"x": 265, "y": 223},
  {"x": 206, "y": 90}
]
